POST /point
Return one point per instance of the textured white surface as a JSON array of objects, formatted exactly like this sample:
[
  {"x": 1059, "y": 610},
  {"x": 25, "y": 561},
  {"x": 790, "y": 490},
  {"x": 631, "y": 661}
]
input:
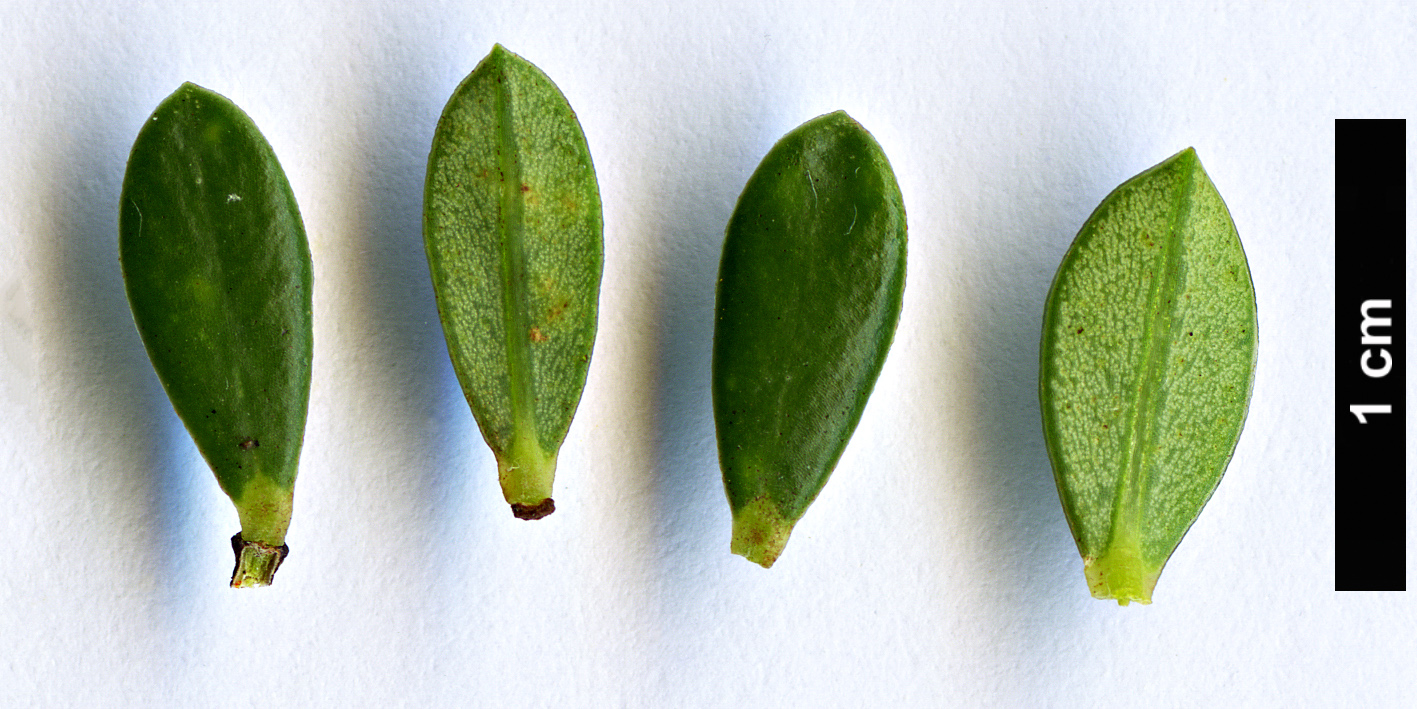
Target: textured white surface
[{"x": 935, "y": 569}]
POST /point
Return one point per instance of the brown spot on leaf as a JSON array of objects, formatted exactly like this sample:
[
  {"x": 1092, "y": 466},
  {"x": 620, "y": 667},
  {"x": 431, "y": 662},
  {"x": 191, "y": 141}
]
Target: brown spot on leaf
[
  {"x": 556, "y": 311},
  {"x": 536, "y": 335},
  {"x": 248, "y": 443}
]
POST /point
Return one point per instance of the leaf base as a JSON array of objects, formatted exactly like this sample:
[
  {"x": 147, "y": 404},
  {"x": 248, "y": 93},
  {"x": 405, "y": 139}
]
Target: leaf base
[
  {"x": 760, "y": 532},
  {"x": 526, "y": 474},
  {"x": 1120, "y": 575}
]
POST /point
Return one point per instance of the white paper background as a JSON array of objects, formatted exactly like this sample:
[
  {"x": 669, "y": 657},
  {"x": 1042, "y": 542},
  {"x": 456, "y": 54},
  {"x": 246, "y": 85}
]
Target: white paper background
[{"x": 935, "y": 569}]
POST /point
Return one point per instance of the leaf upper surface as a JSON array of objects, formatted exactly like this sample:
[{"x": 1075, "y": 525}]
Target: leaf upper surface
[
  {"x": 809, "y": 293},
  {"x": 218, "y": 274}
]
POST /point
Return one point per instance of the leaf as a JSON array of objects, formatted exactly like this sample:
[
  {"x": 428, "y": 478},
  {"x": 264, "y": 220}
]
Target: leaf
[
  {"x": 512, "y": 227},
  {"x": 218, "y": 275},
  {"x": 1148, "y": 354},
  {"x": 809, "y": 293}
]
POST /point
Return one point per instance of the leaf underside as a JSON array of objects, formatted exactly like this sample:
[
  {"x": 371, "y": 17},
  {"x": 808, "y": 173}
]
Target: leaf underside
[
  {"x": 512, "y": 229},
  {"x": 1147, "y": 362}
]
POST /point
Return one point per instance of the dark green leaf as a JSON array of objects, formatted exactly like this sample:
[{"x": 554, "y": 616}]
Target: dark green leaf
[
  {"x": 809, "y": 293},
  {"x": 218, "y": 273}
]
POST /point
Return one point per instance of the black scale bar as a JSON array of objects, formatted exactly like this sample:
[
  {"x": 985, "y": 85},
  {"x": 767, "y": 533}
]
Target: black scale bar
[{"x": 1370, "y": 253}]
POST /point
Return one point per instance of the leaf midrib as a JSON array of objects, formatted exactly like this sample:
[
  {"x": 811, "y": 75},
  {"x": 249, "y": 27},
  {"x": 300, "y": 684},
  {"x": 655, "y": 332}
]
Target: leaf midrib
[
  {"x": 511, "y": 226},
  {"x": 1127, "y": 512}
]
